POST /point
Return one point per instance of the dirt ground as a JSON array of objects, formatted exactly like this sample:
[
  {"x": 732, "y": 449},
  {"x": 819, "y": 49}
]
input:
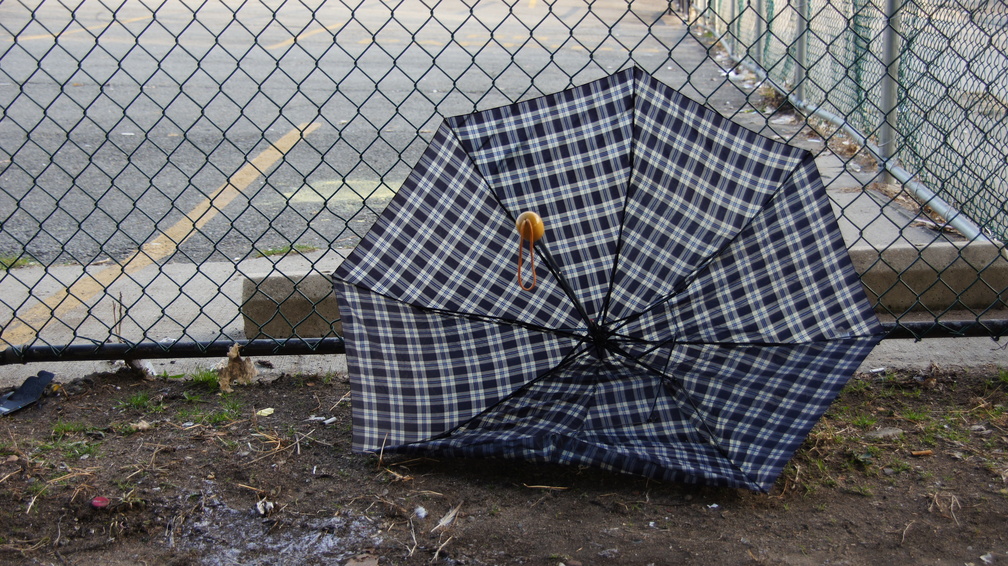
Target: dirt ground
[{"x": 265, "y": 475}]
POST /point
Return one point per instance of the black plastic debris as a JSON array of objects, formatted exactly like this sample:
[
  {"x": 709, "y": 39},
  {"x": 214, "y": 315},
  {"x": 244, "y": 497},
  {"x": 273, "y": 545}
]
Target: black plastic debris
[{"x": 29, "y": 392}]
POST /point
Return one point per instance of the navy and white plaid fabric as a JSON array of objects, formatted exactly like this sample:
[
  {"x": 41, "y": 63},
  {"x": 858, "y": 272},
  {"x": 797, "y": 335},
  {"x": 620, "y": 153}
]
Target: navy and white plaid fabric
[{"x": 696, "y": 310}]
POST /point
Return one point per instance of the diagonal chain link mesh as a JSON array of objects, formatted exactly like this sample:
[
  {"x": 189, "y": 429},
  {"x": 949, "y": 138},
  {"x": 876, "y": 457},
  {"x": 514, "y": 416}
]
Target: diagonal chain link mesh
[{"x": 178, "y": 176}]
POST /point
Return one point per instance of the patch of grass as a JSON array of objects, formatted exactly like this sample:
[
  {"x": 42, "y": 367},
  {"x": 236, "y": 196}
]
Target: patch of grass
[
  {"x": 953, "y": 433},
  {"x": 900, "y": 466},
  {"x": 862, "y": 490},
  {"x": 141, "y": 401},
  {"x": 864, "y": 421},
  {"x": 207, "y": 379},
  {"x": 856, "y": 385},
  {"x": 14, "y": 262},
  {"x": 284, "y": 250},
  {"x": 230, "y": 410},
  {"x": 916, "y": 416},
  {"x": 63, "y": 428},
  {"x": 999, "y": 380},
  {"x": 231, "y": 406},
  {"x": 189, "y": 415},
  {"x": 913, "y": 393},
  {"x": 71, "y": 450},
  {"x": 193, "y": 397}
]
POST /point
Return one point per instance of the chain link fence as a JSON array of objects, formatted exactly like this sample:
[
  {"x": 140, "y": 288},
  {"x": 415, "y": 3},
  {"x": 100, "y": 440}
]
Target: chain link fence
[{"x": 178, "y": 175}]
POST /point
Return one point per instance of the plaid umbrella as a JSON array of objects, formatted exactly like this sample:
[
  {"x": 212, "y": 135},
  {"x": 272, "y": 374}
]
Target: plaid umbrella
[{"x": 694, "y": 313}]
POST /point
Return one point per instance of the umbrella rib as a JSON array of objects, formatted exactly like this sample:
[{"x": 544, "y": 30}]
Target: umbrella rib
[
  {"x": 547, "y": 259},
  {"x": 693, "y": 275},
  {"x": 707, "y": 431},
  {"x": 574, "y": 352},
  {"x": 626, "y": 199}
]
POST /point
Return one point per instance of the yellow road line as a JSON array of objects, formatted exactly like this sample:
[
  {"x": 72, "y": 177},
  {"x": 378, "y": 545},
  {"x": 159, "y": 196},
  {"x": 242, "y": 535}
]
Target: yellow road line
[
  {"x": 305, "y": 35},
  {"x": 81, "y": 30},
  {"x": 29, "y": 323}
]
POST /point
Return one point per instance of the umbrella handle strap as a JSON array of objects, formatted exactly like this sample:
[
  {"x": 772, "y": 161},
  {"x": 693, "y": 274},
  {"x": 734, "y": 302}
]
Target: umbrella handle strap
[{"x": 521, "y": 241}]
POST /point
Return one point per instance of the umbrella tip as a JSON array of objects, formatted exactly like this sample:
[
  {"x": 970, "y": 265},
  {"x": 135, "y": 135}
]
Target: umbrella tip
[{"x": 530, "y": 226}]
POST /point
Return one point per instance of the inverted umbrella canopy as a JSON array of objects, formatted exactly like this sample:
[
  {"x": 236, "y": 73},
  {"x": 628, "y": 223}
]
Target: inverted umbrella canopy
[{"x": 694, "y": 314}]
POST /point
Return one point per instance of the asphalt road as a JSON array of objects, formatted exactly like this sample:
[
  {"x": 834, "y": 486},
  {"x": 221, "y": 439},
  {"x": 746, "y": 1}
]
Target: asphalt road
[{"x": 118, "y": 125}]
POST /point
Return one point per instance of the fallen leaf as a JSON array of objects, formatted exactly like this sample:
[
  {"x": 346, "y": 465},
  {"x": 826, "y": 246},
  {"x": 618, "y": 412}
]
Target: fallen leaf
[
  {"x": 264, "y": 412},
  {"x": 237, "y": 370}
]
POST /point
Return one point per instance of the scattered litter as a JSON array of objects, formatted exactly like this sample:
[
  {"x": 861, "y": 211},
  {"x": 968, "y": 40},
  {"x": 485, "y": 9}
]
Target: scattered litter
[
  {"x": 877, "y": 370},
  {"x": 448, "y": 518},
  {"x": 238, "y": 370},
  {"x": 988, "y": 558},
  {"x": 29, "y": 392},
  {"x": 264, "y": 412},
  {"x": 981, "y": 430},
  {"x": 885, "y": 433},
  {"x": 100, "y": 502},
  {"x": 363, "y": 560},
  {"x": 546, "y": 487},
  {"x": 783, "y": 120},
  {"x": 920, "y": 453},
  {"x": 329, "y": 421},
  {"x": 141, "y": 426},
  {"x": 713, "y": 506},
  {"x": 264, "y": 507},
  {"x": 142, "y": 366}
]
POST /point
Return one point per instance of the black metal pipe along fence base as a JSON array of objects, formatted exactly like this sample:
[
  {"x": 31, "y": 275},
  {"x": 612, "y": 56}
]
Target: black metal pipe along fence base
[
  {"x": 156, "y": 350},
  {"x": 336, "y": 345}
]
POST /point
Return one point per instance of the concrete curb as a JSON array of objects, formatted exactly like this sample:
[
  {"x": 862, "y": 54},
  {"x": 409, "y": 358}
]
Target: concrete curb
[
  {"x": 940, "y": 277},
  {"x": 946, "y": 276},
  {"x": 281, "y": 306}
]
